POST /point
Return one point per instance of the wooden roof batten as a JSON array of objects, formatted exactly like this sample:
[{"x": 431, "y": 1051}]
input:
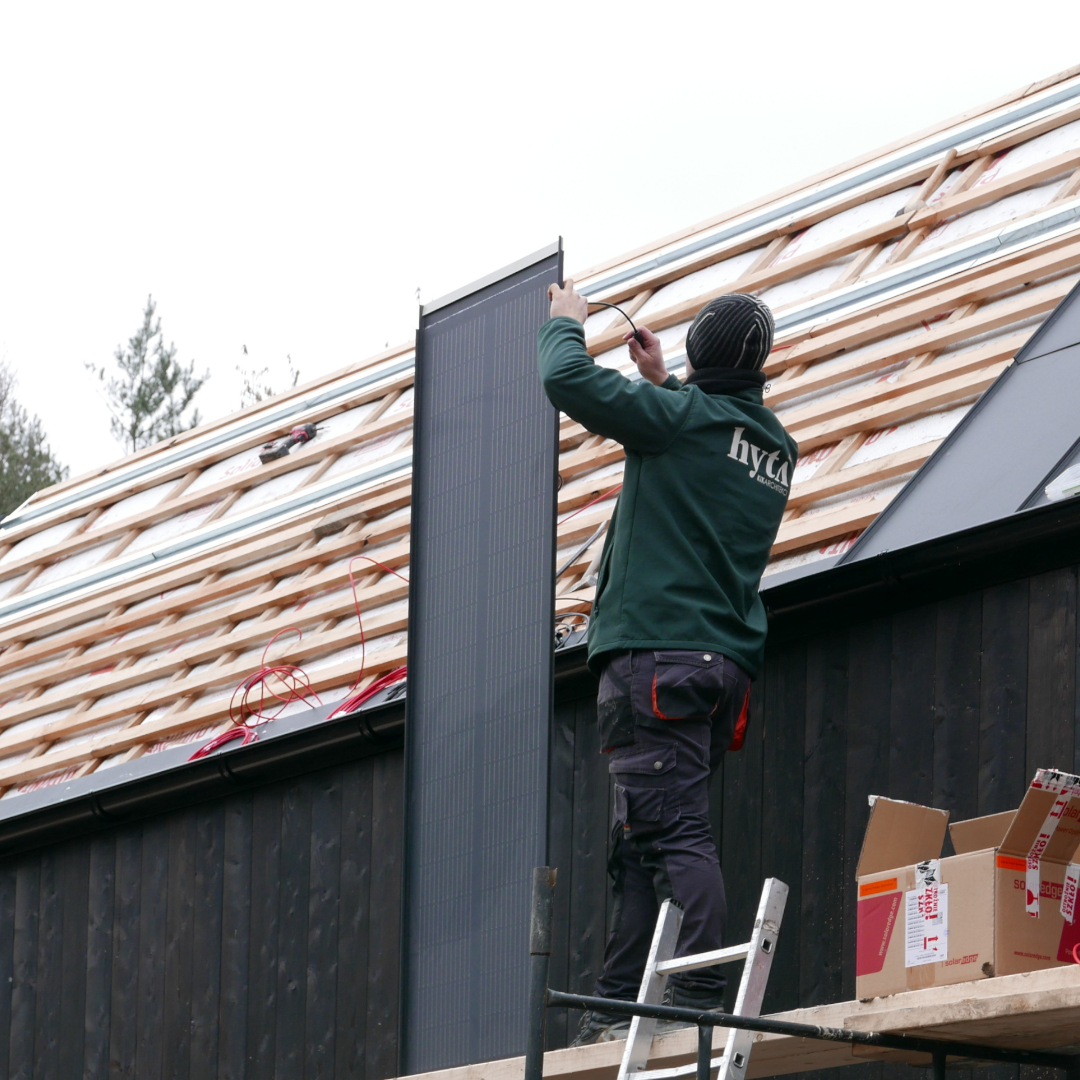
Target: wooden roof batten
[{"x": 903, "y": 283}]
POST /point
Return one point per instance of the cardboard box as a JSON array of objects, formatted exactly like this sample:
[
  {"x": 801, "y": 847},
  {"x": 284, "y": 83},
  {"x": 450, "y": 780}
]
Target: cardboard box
[{"x": 1003, "y": 904}]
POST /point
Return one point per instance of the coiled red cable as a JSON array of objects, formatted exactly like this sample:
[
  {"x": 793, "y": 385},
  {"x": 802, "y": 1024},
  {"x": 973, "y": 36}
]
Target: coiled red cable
[{"x": 292, "y": 682}]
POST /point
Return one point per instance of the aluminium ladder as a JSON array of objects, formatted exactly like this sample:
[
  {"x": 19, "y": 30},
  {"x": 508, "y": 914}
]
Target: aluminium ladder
[{"x": 758, "y": 955}]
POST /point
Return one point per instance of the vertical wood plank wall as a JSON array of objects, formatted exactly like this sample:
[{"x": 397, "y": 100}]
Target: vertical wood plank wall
[
  {"x": 954, "y": 704},
  {"x": 254, "y": 936},
  {"x": 257, "y": 936}
]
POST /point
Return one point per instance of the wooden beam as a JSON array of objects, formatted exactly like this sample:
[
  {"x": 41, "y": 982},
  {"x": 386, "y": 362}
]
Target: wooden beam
[
  {"x": 380, "y": 501},
  {"x": 981, "y": 195},
  {"x": 825, "y": 485},
  {"x": 760, "y": 279},
  {"x": 231, "y": 486},
  {"x": 905, "y": 407},
  {"x": 219, "y": 453},
  {"x": 875, "y": 327},
  {"x": 225, "y": 421},
  {"x": 1027, "y": 265},
  {"x": 818, "y": 412},
  {"x": 809, "y": 530}
]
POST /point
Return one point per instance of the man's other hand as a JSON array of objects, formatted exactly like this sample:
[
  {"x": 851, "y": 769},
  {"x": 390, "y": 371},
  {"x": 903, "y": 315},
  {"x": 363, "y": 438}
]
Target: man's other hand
[
  {"x": 648, "y": 357},
  {"x": 565, "y": 301}
]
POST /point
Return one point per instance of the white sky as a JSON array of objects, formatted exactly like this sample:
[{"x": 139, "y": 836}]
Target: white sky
[{"x": 286, "y": 176}]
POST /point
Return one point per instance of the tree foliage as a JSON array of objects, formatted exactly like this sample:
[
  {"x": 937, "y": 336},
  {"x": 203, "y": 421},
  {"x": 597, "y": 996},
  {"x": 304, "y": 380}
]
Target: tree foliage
[
  {"x": 149, "y": 397},
  {"x": 257, "y": 384},
  {"x": 26, "y": 462}
]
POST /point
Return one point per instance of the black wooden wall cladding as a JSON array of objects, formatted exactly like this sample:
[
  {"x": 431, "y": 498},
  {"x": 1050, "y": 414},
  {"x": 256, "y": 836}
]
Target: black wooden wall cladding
[
  {"x": 480, "y": 666},
  {"x": 252, "y": 937},
  {"x": 953, "y": 704},
  {"x": 257, "y": 936}
]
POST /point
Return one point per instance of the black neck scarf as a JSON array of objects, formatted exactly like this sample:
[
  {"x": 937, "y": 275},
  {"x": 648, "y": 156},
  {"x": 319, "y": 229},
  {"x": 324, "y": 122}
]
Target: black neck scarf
[{"x": 725, "y": 380}]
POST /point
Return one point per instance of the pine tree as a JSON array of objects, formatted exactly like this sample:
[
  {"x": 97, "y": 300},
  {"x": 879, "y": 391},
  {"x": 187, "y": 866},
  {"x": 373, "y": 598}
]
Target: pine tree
[
  {"x": 26, "y": 462},
  {"x": 153, "y": 391}
]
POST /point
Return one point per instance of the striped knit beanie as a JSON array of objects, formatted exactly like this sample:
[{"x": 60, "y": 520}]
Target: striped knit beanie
[{"x": 733, "y": 331}]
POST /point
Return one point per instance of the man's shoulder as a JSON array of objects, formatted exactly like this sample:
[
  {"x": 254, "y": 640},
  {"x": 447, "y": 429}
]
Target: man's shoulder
[{"x": 733, "y": 410}]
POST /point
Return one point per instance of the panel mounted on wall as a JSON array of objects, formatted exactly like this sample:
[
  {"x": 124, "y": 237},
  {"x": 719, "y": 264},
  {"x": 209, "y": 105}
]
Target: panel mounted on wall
[{"x": 481, "y": 633}]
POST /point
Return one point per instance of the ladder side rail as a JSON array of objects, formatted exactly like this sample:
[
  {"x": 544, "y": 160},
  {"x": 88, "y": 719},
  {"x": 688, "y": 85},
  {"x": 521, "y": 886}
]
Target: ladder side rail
[
  {"x": 755, "y": 977},
  {"x": 653, "y": 983}
]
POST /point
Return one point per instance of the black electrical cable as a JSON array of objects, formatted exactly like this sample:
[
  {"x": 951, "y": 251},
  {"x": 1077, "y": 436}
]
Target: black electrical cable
[{"x": 637, "y": 333}]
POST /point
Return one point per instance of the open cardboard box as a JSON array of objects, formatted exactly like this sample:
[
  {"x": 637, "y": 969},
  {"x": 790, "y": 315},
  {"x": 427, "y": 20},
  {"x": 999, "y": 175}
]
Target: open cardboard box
[{"x": 993, "y": 908}]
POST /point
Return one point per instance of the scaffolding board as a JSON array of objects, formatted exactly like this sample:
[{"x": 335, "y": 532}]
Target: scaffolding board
[{"x": 1038, "y": 1010}]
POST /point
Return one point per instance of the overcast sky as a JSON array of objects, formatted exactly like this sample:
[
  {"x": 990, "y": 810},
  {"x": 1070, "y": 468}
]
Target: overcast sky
[{"x": 285, "y": 177}]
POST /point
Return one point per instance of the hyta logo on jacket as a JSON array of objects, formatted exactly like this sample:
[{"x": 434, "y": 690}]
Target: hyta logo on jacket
[{"x": 765, "y": 468}]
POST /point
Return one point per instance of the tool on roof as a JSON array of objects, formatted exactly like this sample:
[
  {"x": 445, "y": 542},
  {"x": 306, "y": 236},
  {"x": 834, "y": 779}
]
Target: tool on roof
[
  {"x": 271, "y": 451},
  {"x": 637, "y": 333}
]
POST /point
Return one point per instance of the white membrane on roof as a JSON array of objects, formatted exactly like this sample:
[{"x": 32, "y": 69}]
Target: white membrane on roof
[
  {"x": 171, "y": 528},
  {"x": 886, "y": 373},
  {"x": 133, "y": 504},
  {"x": 386, "y": 642},
  {"x": 1033, "y": 152},
  {"x": 987, "y": 217},
  {"x": 368, "y": 452},
  {"x": 877, "y": 489},
  {"x": 879, "y": 260},
  {"x": 36, "y": 723},
  {"x": 924, "y": 429},
  {"x": 332, "y": 426},
  {"x": 38, "y": 541},
  {"x": 384, "y": 611},
  {"x": 349, "y": 655},
  {"x": 791, "y": 292},
  {"x": 945, "y": 188},
  {"x": 73, "y": 564},
  {"x": 708, "y": 279},
  {"x": 834, "y": 229},
  {"x": 9, "y": 584},
  {"x": 135, "y": 693},
  {"x": 839, "y": 546},
  {"x": 808, "y": 464},
  {"x": 185, "y": 738},
  {"x": 48, "y": 780},
  {"x": 402, "y": 403},
  {"x": 89, "y": 735},
  {"x": 235, "y": 465},
  {"x": 1025, "y": 327}
]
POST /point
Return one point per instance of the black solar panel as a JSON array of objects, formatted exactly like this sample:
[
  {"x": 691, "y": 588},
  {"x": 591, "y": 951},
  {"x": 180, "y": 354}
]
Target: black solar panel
[{"x": 480, "y": 666}]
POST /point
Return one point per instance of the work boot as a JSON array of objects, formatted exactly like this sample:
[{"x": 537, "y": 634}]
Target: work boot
[
  {"x": 687, "y": 999},
  {"x": 599, "y": 1027}
]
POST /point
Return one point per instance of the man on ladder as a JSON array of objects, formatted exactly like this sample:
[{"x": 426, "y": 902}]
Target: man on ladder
[{"x": 677, "y": 628}]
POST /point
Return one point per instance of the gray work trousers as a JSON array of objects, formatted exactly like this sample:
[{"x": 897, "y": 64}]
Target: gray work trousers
[{"x": 666, "y": 718}]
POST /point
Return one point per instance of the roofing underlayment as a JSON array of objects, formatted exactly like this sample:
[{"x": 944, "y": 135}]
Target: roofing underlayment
[{"x": 134, "y": 600}]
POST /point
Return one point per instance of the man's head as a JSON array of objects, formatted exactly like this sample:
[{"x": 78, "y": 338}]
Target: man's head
[{"x": 733, "y": 331}]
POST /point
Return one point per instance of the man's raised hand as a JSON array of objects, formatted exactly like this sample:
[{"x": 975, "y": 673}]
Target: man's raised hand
[
  {"x": 648, "y": 357},
  {"x": 565, "y": 301}
]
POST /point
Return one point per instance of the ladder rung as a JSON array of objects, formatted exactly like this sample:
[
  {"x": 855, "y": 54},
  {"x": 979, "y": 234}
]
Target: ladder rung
[
  {"x": 676, "y": 1071},
  {"x": 704, "y": 959}
]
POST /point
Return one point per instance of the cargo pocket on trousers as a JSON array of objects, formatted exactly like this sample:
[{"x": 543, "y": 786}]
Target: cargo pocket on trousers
[
  {"x": 687, "y": 685},
  {"x": 644, "y": 804}
]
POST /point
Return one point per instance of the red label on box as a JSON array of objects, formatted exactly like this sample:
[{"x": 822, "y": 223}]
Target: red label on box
[
  {"x": 1011, "y": 862},
  {"x": 874, "y": 922},
  {"x": 874, "y": 887}
]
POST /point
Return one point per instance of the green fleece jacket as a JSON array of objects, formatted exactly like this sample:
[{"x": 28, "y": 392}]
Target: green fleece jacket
[{"x": 706, "y": 481}]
